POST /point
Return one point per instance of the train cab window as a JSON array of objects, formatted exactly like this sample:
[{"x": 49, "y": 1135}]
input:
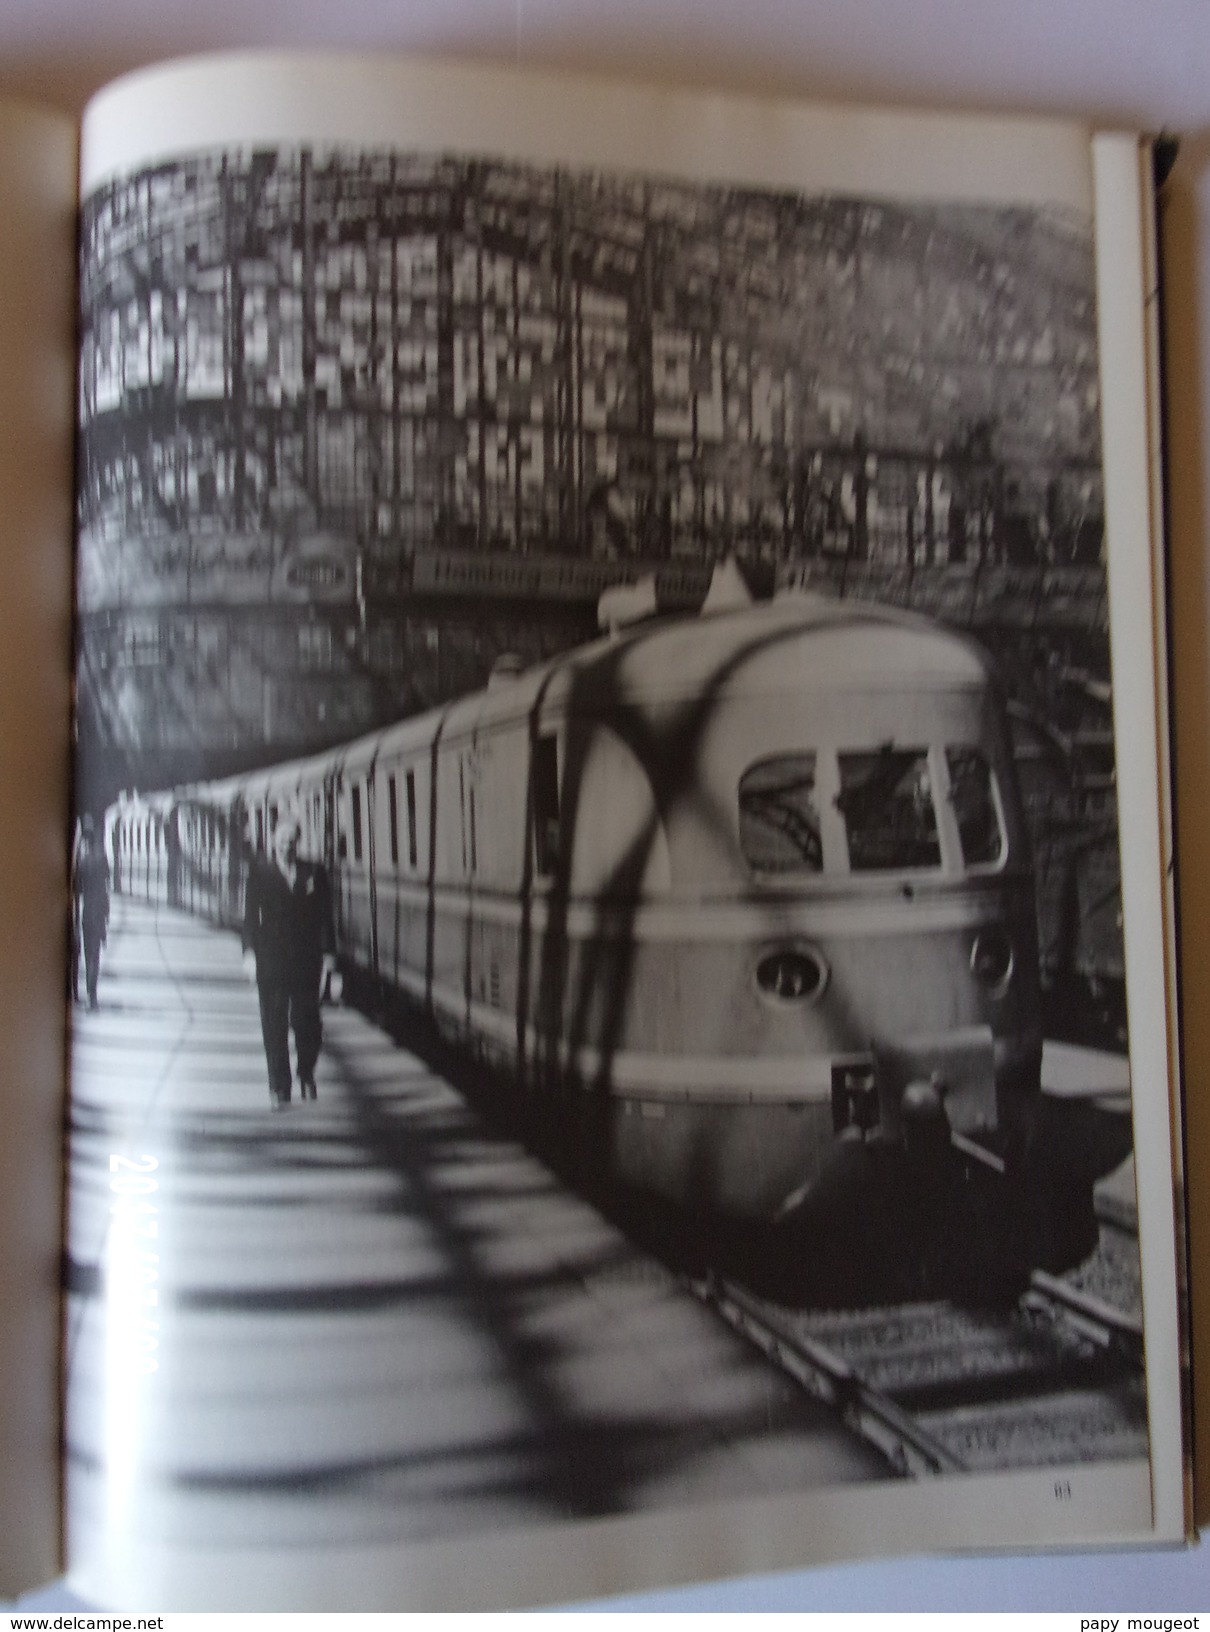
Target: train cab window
[
  {"x": 357, "y": 840},
  {"x": 393, "y": 816},
  {"x": 975, "y": 800},
  {"x": 779, "y": 828},
  {"x": 410, "y": 788},
  {"x": 886, "y": 800},
  {"x": 545, "y": 797}
]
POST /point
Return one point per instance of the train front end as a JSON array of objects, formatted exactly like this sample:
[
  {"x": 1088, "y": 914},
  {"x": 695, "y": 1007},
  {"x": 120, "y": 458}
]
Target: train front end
[{"x": 857, "y": 983}]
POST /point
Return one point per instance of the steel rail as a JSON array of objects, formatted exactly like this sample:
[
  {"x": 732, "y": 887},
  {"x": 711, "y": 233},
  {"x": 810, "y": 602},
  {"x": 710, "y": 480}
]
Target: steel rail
[
  {"x": 1099, "y": 1320},
  {"x": 909, "y": 1449}
]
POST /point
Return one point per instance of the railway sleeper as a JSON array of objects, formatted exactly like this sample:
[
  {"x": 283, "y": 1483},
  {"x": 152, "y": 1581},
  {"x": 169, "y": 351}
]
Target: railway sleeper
[{"x": 1020, "y": 1382}]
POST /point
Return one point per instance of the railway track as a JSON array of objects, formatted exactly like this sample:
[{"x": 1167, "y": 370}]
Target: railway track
[
  {"x": 940, "y": 1388},
  {"x": 936, "y": 1386}
]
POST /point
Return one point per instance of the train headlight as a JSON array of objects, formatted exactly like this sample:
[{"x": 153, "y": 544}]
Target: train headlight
[
  {"x": 992, "y": 958},
  {"x": 791, "y": 974}
]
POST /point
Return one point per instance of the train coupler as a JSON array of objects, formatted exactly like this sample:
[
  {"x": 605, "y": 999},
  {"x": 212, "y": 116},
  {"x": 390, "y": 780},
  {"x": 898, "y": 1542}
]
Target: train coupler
[
  {"x": 920, "y": 1124},
  {"x": 855, "y": 1102},
  {"x": 924, "y": 1123}
]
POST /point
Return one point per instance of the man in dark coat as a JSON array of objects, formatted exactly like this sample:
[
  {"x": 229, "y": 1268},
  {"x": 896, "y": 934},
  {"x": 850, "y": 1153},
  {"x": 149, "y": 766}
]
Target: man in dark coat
[
  {"x": 90, "y": 894},
  {"x": 289, "y": 949}
]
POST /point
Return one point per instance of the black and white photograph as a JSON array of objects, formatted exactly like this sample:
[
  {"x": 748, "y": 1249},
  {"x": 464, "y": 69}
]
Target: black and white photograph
[{"x": 597, "y": 959}]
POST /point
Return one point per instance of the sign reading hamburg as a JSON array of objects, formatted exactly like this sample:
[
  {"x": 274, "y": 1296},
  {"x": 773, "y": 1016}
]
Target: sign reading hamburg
[{"x": 458, "y": 573}]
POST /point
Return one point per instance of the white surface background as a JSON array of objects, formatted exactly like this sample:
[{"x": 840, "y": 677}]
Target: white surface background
[{"x": 1117, "y": 62}]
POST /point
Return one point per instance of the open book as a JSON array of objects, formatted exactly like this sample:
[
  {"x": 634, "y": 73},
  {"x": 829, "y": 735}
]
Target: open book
[{"x": 622, "y": 1012}]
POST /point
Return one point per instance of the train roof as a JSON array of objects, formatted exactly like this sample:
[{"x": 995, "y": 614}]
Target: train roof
[{"x": 796, "y": 642}]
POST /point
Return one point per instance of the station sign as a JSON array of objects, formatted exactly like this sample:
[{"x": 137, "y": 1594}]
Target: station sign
[
  {"x": 557, "y": 578},
  {"x": 128, "y": 571}
]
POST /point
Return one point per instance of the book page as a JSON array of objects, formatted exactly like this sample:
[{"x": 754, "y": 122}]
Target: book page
[
  {"x": 1133, "y": 500},
  {"x": 751, "y": 998},
  {"x": 37, "y": 289},
  {"x": 1182, "y": 267}
]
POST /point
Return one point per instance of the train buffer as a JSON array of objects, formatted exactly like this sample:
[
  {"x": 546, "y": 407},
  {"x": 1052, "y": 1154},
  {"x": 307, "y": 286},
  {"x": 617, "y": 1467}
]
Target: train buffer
[
  {"x": 1070, "y": 1072},
  {"x": 375, "y": 1317},
  {"x": 1100, "y": 1081}
]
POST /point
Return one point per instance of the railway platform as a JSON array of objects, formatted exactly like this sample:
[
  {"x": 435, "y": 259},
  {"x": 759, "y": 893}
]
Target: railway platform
[{"x": 370, "y": 1317}]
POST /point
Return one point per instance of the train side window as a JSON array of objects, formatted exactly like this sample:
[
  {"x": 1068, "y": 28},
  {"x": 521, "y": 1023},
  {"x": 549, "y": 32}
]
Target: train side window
[
  {"x": 393, "y": 815},
  {"x": 976, "y": 805},
  {"x": 413, "y": 849},
  {"x": 357, "y": 840},
  {"x": 545, "y": 799},
  {"x": 886, "y": 800},
  {"x": 260, "y": 831},
  {"x": 779, "y": 829}
]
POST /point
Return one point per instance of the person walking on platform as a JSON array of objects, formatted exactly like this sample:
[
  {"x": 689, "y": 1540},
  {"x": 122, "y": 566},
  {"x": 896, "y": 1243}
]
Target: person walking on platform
[
  {"x": 289, "y": 946},
  {"x": 90, "y": 909}
]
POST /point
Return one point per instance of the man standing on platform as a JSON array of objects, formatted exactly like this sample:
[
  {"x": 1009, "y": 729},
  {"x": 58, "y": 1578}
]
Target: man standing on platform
[
  {"x": 289, "y": 951},
  {"x": 90, "y": 918}
]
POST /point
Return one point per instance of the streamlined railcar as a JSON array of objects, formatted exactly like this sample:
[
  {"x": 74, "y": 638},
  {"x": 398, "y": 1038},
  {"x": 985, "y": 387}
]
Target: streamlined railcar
[{"x": 730, "y": 897}]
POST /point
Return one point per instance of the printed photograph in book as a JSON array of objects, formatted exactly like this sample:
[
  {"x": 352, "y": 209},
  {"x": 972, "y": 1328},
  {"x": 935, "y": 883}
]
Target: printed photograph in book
[{"x": 597, "y": 908}]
